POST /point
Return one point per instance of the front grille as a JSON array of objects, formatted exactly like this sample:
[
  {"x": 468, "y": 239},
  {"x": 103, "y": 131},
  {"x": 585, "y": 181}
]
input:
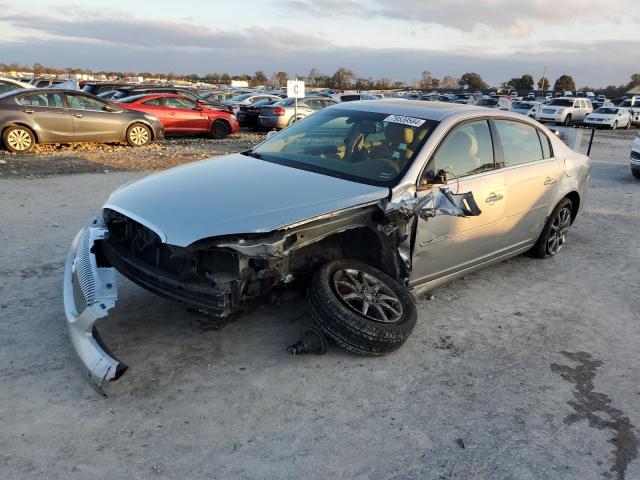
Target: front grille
[{"x": 83, "y": 281}]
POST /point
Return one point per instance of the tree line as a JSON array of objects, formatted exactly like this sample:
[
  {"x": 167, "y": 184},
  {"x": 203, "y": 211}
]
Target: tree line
[{"x": 344, "y": 78}]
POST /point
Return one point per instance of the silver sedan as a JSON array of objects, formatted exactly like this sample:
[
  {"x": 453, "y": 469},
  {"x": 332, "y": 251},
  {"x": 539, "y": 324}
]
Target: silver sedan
[
  {"x": 283, "y": 113},
  {"x": 364, "y": 202}
]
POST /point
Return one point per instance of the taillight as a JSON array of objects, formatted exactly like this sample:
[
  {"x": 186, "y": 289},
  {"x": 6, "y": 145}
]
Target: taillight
[{"x": 279, "y": 111}]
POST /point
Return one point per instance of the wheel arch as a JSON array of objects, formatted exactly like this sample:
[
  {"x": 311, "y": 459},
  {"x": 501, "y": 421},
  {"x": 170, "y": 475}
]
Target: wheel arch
[
  {"x": 575, "y": 204},
  {"x": 20, "y": 124}
]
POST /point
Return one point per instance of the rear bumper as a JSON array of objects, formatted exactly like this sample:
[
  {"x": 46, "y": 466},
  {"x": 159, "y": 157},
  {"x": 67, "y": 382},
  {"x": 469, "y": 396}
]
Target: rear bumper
[
  {"x": 89, "y": 292},
  {"x": 272, "y": 122}
]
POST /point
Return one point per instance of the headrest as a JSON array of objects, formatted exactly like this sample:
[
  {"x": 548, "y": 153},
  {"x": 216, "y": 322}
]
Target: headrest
[
  {"x": 463, "y": 142},
  {"x": 396, "y": 133}
]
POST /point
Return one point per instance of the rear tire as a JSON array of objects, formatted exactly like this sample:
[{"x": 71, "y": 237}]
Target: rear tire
[
  {"x": 219, "y": 130},
  {"x": 337, "y": 296},
  {"x": 18, "y": 139},
  {"x": 553, "y": 235},
  {"x": 138, "y": 135},
  {"x": 636, "y": 172}
]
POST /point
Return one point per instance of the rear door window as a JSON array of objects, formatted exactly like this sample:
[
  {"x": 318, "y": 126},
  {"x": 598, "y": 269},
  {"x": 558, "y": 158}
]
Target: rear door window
[
  {"x": 50, "y": 100},
  {"x": 520, "y": 142}
]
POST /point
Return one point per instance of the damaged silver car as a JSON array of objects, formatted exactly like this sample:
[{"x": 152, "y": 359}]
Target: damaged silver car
[{"x": 366, "y": 203}]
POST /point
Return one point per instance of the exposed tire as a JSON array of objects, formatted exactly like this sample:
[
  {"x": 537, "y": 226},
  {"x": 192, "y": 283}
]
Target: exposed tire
[
  {"x": 18, "y": 139},
  {"x": 553, "y": 234},
  {"x": 628, "y": 127},
  {"x": 337, "y": 306},
  {"x": 139, "y": 135},
  {"x": 219, "y": 130},
  {"x": 567, "y": 121},
  {"x": 636, "y": 172}
]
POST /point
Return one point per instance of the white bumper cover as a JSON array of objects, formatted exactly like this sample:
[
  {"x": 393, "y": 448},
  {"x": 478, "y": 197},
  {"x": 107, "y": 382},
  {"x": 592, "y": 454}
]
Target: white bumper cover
[{"x": 89, "y": 293}]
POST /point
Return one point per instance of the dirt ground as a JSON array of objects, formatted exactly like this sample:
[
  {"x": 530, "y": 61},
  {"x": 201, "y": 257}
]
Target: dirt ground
[{"x": 525, "y": 370}]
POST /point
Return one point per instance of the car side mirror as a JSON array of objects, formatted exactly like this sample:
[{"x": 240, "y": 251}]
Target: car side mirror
[
  {"x": 428, "y": 180},
  {"x": 111, "y": 109}
]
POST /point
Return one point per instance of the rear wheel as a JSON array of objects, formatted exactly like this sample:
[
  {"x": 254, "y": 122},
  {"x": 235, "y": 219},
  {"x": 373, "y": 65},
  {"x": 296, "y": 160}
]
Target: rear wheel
[
  {"x": 18, "y": 139},
  {"x": 219, "y": 130},
  {"x": 553, "y": 236},
  {"x": 138, "y": 135},
  {"x": 567, "y": 121},
  {"x": 360, "y": 308}
]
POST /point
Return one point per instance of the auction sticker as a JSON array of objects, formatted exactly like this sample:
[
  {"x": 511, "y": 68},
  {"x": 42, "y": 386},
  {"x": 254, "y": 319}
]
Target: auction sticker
[{"x": 414, "y": 122}]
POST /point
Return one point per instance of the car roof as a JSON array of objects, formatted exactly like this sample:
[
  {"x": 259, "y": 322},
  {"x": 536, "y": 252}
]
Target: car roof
[{"x": 435, "y": 111}]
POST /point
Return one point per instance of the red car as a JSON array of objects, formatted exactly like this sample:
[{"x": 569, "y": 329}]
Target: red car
[{"x": 181, "y": 115}]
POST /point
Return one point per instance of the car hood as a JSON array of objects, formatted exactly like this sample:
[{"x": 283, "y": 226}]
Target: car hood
[{"x": 234, "y": 194}]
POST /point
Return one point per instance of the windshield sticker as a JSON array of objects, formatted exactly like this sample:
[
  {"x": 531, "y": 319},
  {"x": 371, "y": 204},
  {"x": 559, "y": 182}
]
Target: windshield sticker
[
  {"x": 414, "y": 122},
  {"x": 385, "y": 175}
]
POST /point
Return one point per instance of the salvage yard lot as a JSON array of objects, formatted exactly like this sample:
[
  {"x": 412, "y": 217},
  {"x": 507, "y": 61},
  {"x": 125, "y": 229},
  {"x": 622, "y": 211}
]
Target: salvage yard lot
[{"x": 487, "y": 387}]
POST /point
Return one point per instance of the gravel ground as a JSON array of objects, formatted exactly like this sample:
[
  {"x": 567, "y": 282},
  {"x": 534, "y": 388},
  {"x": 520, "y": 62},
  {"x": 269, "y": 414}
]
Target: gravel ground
[
  {"x": 113, "y": 157},
  {"x": 525, "y": 370}
]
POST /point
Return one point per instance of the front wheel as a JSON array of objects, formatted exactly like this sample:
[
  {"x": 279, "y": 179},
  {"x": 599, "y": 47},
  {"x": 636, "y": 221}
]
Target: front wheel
[
  {"x": 567, "y": 121},
  {"x": 18, "y": 139},
  {"x": 615, "y": 125},
  {"x": 553, "y": 236},
  {"x": 628, "y": 125},
  {"x": 219, "y": 130},
  {"x": 138, "y": 135},
  {"x": 360, "y": 308}
]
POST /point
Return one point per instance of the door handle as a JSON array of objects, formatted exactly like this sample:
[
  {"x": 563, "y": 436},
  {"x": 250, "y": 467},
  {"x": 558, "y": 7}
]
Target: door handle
[
  {"x": 29, "y": 111},
  {"x": 77, "y": 115},
  {"x": 172, "y": 113},
  {"x": 493, "y": 198},
  {"x": 549, "y": 181}
]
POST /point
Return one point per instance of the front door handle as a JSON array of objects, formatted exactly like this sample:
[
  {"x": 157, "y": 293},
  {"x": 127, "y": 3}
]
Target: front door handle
[
  {"x": 549, "y": 181},
  {"x": 172, "y": 113},
  {"x": 29, "y": 111},
  {"x": 494, "y": 197},
  {"x": 77, "y": 115}
]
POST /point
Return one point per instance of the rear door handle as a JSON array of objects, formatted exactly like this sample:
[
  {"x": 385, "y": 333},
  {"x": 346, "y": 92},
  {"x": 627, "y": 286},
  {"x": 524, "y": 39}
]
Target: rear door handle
[
  {"x": 493, "y": 198},
  {"x": 549, "y": 181},
  {"x": 77, "y": 115},
  {"x": 29, "y": 111}
]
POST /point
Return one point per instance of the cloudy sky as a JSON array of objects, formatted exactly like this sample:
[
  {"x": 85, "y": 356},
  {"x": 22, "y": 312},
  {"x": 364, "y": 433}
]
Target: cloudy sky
[{"x": 596, "y": 41}]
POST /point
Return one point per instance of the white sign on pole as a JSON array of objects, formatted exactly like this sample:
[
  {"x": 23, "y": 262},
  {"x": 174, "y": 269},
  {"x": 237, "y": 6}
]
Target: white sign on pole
[{"x": 295, "y": 89}]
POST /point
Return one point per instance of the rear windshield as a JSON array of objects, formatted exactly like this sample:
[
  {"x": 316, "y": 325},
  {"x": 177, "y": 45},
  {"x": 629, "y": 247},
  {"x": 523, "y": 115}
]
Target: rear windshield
[
  {"x": 488, "y": 102},
  {"x": 367, "y": 147},
  {"x": 561, "y": 102}
]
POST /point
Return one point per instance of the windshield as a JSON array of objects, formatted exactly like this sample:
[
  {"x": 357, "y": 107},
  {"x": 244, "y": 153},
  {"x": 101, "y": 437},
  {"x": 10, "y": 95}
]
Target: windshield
[
  {"x": 368, "y": 147},
  {"x": 522, "y": 106},
  {"x": 562, "y": 102},
  {"x": 488, "y": 102},
  {"x": 607, "y": 111}
]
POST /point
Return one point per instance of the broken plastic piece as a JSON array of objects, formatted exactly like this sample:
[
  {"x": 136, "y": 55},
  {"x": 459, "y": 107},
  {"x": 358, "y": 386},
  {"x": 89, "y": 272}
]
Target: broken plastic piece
[{"x": 312, "y": 341}]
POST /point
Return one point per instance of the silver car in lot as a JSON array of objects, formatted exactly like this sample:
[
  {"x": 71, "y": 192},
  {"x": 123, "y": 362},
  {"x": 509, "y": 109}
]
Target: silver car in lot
[
  {"x": 634, "y": 158},
  {"x": 283, "y": 113},
  {"x": 362, "y": 203}
]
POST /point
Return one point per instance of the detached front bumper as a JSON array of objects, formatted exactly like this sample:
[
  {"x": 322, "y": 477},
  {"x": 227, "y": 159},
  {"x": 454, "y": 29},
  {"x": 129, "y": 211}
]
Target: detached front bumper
[{"x": 89, "y": 293}]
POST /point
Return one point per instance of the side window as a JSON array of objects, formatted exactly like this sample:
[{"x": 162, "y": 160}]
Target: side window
[
  {"x": 175, "y": 102},
  {"x": 51, "y": 100},
  {"x": 520, "y": 142},
  {"x": 546, "y": 145},
  {"x": 80, "y": 102},
  {"x": 466, "y": 151},
  {"x": 154, "y": 102}
]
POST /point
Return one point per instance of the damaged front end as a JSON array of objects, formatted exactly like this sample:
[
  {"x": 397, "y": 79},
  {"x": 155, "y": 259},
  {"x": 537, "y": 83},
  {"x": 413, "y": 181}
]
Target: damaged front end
[
  {"x": 89, "y": 293},
  {"x": 217, "y": 276}
]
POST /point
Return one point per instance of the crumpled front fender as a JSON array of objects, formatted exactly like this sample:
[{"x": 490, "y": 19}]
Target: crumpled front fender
[{"x": 89, "y": 293}]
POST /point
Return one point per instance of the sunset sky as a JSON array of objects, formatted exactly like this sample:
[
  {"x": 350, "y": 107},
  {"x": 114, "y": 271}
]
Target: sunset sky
[{"x": 595, "y": 41}]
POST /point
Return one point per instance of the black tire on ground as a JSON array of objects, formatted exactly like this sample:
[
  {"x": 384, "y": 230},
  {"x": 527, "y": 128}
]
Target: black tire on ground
[
  {"x": 615, "y": 125},
  {"x": 557, "y": 225},
  {"x": 139, "y": 135},
  {"x": 636, "y": 172},
  {"x": 567, "y": 121},
  {"x": 219, "y": 130},
  {"x": 18, "y": 139},
  {"x": 364, "y": 335},
  {"x": 628, "y": 127}
]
